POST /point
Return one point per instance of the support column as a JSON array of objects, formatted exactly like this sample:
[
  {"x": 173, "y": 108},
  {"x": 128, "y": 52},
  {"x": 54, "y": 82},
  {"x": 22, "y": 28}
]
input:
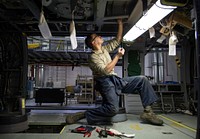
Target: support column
[{"x": 197, "y": 38}]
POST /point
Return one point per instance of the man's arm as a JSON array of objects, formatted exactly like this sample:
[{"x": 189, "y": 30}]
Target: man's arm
[
  {"x": 114, "y": 43},
  {"x": 120, "y": 30},
  {"x": 110, "y": 66}
]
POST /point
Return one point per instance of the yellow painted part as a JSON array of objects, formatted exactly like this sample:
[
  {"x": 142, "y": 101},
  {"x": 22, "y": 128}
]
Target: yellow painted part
[
  {"x": 62, "y": 130},
  {"x": 179, "y": 124},
  {"x": 135, "y": 127},
  {"x": 33, "y": 45},
  {"x": 23, "y": 103},
  {"x": 178, "y": 62}
]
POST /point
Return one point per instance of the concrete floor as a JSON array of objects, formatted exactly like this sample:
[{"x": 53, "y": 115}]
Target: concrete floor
[{"x": 176, "y": 125}]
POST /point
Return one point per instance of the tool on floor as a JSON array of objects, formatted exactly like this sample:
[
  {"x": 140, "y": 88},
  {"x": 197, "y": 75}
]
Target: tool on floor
[
  {"x": 86, "y": 130},
  {"x": 104, "y": 132},
  {"x": 89, "y": 131},
  {"x": 118, "y": 133},
  {"x": 112, "y": 132},
  {"x": 88, "y": 134}
]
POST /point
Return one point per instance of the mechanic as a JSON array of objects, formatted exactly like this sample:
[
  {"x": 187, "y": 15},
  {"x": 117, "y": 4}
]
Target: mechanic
[{"x": 110, "y": 85}]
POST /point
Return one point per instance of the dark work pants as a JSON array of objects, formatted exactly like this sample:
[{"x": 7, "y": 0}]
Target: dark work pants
[{"x": 110, "y": 87}]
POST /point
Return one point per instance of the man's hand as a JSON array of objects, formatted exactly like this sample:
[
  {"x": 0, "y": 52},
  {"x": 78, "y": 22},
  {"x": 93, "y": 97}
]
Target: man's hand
[
  {"x": 110, "y": 66},
  {"x": 121, "y": 52}
]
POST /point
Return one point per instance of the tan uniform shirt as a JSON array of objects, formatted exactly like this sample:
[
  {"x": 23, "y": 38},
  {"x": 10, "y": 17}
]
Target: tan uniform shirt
[{"x": 100, "y": 58}]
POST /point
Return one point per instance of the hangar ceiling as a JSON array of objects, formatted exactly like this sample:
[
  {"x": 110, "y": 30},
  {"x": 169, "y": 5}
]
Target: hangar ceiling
[
  {"x": 89, "y": 15},
  {"x": 99, "y": 16}
]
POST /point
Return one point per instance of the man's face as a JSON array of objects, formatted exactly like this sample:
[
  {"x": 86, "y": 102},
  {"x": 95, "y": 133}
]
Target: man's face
[
  {"x": 96, "y": 40},
  {"x": 94, "y": 37}
]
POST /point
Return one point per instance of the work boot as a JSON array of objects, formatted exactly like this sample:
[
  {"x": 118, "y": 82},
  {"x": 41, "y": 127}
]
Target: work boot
[
  {"x": 151, "y": 118},
  {"x": 73, "y": 118}
]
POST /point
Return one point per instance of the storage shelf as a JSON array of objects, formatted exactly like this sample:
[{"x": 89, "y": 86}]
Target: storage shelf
[
  {"x": 87, "y": 83},
  {"x": 167, "y": 93}
]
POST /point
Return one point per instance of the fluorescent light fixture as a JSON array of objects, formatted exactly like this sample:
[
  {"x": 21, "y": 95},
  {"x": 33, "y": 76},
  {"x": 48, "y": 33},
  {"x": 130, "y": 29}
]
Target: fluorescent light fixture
[{"x": 151, "y": 17}]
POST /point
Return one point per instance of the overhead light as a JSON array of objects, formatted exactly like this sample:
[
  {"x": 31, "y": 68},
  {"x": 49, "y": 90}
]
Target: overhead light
[{"x": 156, "y": 13}]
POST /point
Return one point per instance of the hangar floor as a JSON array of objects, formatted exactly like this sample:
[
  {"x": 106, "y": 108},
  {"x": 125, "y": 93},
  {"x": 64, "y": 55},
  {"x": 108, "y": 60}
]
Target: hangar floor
[{"x": 176, "y": 126}]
